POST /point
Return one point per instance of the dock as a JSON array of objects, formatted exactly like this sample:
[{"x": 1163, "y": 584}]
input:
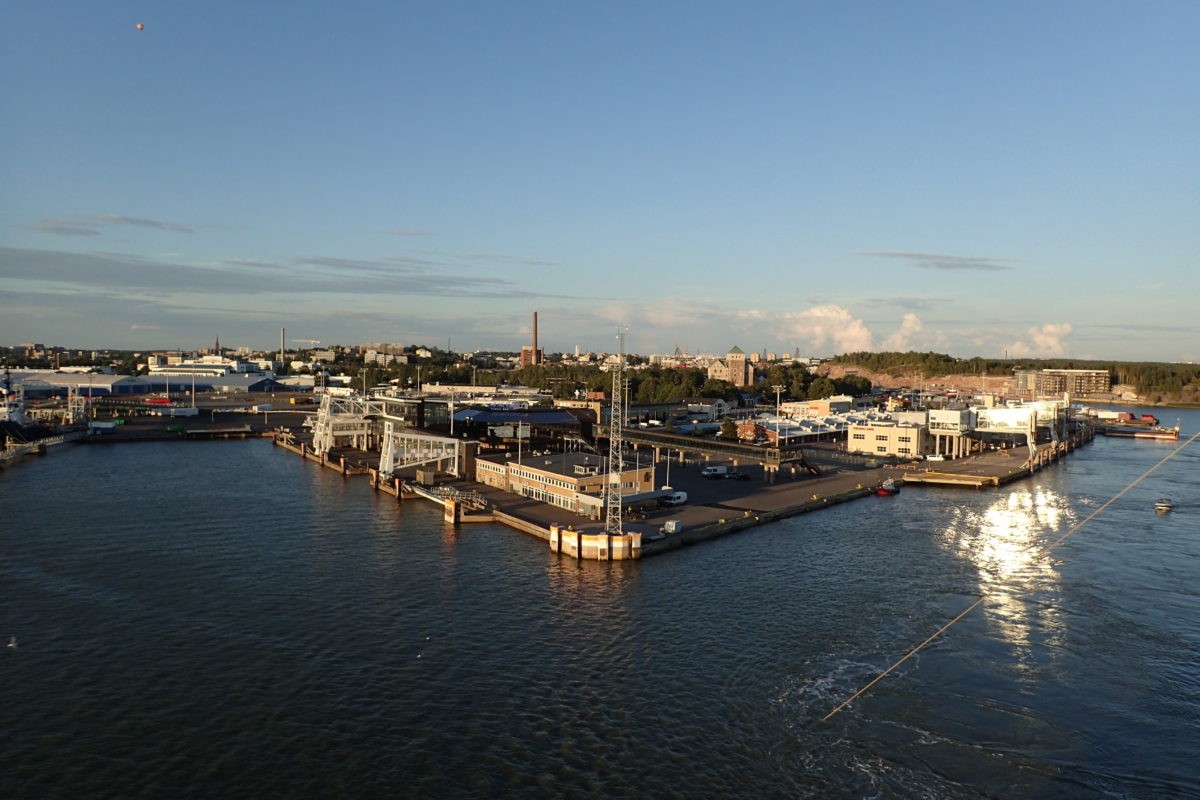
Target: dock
[{"x": 715, "y": 508}]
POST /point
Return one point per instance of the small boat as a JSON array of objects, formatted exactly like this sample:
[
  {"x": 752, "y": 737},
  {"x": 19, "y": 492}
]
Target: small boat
[
  {"x": 1163, "y": 505},
  {"x": 887, "y": 487}
]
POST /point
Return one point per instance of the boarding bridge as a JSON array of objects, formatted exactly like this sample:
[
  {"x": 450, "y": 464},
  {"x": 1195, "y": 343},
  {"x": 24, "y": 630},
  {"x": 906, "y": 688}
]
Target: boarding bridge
[
  {"x": 343, "y": 418},
  {"x": 403, "y": 447},
  {"x": 1021, "y": 421},
  {"x": 79, "y": 407}
]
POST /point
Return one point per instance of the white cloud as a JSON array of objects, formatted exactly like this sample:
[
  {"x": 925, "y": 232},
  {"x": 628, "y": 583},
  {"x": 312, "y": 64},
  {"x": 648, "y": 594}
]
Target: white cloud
[
  {"x": 1044, "y": 341},
  {"x": 901, "y": 340},
  {"x": 826, "y": 325}
]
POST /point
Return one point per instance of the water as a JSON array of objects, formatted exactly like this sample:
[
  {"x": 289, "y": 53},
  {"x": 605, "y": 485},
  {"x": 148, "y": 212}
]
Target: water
[{"x": 209, "y": 619}]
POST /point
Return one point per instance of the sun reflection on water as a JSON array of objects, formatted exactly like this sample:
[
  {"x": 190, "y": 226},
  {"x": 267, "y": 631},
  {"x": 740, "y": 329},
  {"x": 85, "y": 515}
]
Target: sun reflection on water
[{"x": 1007, "y": 544}]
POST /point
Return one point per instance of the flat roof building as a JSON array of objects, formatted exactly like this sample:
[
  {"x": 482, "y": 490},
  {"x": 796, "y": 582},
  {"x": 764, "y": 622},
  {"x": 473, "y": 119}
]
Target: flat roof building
[{"x": 566, "y": 480}]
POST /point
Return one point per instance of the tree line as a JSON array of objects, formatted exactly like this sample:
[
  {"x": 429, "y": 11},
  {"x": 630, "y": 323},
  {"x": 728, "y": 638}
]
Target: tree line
[{"x": 1151, "y": 379}]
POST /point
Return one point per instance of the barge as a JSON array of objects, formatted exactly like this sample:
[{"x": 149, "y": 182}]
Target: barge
[{"x": 1156, "y": 432}]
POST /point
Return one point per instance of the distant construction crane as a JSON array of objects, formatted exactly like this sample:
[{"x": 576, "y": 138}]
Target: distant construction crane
[{"x": 311, "y": 342}]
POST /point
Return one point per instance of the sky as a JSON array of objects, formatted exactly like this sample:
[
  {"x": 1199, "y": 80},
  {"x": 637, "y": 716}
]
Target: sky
[{"x": 979, "y": 179}]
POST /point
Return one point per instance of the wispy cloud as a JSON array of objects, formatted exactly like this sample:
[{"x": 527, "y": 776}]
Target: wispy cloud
[
  {"x": 88, "y": 225},
  {"x": 142, "y": 326},
  {"x": 124, "y": 273},
  {"x": 941, "y": 261},
  {"x": 906, "y": 303},
  {"x": 118, "y": 219},
  {"x": 1147, "y": 328},
  {"x": 410, "y": 233},
  {"x": 65, "y": 227},
  {"x": 392, "y": 265},
  {"x": 529, "y": 262}
]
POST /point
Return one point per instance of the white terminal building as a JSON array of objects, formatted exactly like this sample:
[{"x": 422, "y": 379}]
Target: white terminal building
[{"x": 212, "y": 366}]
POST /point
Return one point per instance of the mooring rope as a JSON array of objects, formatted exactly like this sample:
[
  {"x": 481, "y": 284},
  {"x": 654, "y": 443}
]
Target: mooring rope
[{"x": 982, "y": 597}]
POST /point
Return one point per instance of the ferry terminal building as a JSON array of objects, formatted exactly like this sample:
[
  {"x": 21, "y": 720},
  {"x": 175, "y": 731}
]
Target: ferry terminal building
[{"x": 571, "y": 481}]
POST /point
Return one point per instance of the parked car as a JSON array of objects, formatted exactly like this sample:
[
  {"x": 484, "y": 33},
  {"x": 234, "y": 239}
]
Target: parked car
[{"x": 737, "y": 476}]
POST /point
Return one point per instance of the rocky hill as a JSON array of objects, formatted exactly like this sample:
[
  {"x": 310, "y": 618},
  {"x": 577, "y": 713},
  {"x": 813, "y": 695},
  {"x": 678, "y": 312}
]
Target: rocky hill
[{"x": 912, "y": 379}]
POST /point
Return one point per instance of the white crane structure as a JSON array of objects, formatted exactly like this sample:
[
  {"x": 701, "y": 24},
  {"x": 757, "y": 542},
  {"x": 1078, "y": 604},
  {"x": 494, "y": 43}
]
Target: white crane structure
[{"x": 310, "y": 342}]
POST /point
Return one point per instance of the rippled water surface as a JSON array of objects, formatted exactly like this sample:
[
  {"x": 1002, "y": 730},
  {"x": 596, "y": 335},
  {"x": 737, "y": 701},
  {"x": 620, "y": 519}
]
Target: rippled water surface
[{"x": 203, "y": 619}]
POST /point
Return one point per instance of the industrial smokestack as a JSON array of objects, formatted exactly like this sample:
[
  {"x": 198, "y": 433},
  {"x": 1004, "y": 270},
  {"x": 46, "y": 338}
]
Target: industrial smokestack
[
  {"x": 281, "y": 361},
  {"x": 535, "y": 359}
]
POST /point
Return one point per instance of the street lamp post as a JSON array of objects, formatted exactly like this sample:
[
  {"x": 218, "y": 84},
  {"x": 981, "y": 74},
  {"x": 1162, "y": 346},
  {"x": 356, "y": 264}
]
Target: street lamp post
[{"x": 780, "y": 437}]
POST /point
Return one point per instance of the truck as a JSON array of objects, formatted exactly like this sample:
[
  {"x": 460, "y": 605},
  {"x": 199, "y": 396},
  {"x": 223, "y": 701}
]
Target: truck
[{"x": 711, "y": 472}]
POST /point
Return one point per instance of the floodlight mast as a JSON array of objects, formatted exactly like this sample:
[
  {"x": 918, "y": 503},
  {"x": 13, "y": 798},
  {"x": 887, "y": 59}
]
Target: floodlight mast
[{"x": 613, "y": 522}]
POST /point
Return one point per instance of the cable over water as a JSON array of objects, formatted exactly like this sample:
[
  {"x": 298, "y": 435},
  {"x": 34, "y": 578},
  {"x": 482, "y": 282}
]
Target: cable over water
[{"x": 983, "y": 596}]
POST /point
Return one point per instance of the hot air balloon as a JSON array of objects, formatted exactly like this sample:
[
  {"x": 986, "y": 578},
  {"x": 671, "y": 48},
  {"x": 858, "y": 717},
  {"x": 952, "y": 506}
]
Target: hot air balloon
[{"x": 141, "y": 27}]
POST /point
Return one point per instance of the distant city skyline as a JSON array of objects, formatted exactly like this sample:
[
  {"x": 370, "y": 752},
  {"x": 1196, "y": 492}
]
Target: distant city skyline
[{"x": 974, "y": 179}]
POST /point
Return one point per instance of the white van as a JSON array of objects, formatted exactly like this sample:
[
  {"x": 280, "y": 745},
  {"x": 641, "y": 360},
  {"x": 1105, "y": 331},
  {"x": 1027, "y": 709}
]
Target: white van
[
  {"x": 674, "y": 499},
  {"x": 715, "y": 472}
]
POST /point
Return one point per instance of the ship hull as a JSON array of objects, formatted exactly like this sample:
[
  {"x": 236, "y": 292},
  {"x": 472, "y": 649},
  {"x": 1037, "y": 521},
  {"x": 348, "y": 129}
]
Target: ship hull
[{"x": 1167, "y": 435}]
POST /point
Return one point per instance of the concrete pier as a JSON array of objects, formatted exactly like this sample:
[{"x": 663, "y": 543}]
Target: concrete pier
[{"x": 715, "y": 508}]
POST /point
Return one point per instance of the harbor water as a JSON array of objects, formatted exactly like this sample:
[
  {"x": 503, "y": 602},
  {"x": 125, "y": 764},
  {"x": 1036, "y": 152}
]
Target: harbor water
[{"x": 224, "y": 619}]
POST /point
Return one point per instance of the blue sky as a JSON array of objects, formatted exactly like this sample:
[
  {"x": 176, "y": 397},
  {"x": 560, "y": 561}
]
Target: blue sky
[{"x": 970, "y": 178}]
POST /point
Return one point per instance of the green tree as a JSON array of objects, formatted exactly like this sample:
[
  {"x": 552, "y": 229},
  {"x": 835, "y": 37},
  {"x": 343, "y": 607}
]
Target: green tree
[
  {"x": 728, "y": 430},
  {"x": 722, "y": 389},
  {"x": 821, "y": 388}
]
